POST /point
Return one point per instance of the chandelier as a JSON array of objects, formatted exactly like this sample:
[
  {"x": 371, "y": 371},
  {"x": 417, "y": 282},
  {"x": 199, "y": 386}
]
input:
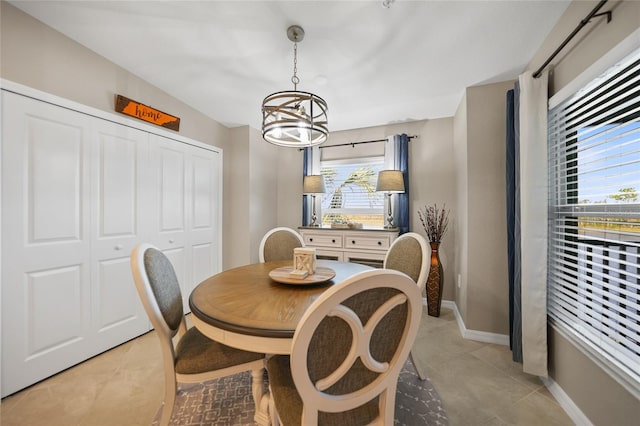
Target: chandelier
[{"x": 294, "y": 118}]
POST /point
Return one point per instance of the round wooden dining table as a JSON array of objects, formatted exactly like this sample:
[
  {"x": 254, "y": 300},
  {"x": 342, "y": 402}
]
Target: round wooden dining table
[{"x": 245, "y": 308}]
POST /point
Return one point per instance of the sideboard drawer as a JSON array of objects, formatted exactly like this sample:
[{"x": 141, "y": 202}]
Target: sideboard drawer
[
  {"x": 323, "y": 240},
  {"x": 366, "y": 246},
  {"x": 322, "y": 254},
  {"x": 366, "y": 242}
]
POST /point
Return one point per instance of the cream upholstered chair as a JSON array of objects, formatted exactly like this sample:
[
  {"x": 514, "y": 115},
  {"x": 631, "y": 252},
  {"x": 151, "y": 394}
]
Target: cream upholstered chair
[
  {"x": 195, "y": 358},
  {"x": 347, "y": 353},
  {"x": 409, "y": 254},
  {"x": 278, "y": 244}
]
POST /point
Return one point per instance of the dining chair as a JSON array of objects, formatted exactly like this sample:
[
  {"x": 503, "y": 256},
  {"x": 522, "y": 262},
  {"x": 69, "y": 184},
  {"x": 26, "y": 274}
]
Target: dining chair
[
  {"x": 278, "y": 244},
  {"x": 195, "y": 358},
  {"x": 409, "y": 254},
  {"x": 347, "y": 353}
]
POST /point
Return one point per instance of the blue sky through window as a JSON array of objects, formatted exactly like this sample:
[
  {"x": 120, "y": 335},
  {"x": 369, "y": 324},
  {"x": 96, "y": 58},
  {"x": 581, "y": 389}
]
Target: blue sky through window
[{"x": 608, "y": 161}]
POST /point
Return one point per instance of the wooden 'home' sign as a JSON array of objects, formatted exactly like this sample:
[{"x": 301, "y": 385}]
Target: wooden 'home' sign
[{"x": 143, "y": 112}]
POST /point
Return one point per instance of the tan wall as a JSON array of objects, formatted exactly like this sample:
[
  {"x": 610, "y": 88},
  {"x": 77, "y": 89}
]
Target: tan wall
[
  {"x": 595, "y": 393},
  {"x": 461, "y": 216},
  {"x": 487, "y": 280},
  {"x": 263, "y": 193},
  {"x": 591, "y": 43},
  {"x": 481, "y": 242},
  {"x": 237, "y": 180},
  {"x": 37, "y": 56},
  {"x": 289, "y": 169}
]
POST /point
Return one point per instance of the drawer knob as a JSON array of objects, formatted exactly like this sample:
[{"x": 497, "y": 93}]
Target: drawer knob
[
  {"x": 311, "y": 239},
  {"x": 379, "y": 243},
  {"x": 118, "y": 247},
  {"x": 333, "y": 241},
  {"x": 353, "y": 241}
]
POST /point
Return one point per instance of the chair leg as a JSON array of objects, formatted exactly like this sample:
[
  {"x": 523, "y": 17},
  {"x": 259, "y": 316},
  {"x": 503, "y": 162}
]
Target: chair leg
[
  {"x": 415, "y": 364},
  {"x": 273, "y": 413},
  {"x": 260, "y": 399},
  {"x": 170, "y": 389}
]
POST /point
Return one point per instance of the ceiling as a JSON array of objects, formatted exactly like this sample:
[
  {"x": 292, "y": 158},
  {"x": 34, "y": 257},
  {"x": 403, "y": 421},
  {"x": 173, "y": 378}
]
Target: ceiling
[{"x": 373, "y": 65}]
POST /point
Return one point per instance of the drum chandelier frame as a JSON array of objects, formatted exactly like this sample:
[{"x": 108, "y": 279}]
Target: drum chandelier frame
[{"x": 294, "y": 118}]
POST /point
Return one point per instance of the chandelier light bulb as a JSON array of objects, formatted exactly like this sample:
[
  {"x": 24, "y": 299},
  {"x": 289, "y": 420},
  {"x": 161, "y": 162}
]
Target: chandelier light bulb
[{"x": 277, "y": 132}]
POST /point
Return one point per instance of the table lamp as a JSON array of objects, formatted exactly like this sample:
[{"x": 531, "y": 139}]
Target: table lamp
[
  {"x": 312, "y": 185},
  {"x": 391, "y": 182}
]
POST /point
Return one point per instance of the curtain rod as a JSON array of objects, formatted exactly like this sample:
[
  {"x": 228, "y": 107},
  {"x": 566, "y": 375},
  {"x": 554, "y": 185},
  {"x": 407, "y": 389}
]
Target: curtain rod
[
  {"x": 584, "y": 22},
  {"x": 353, "y": 144}
]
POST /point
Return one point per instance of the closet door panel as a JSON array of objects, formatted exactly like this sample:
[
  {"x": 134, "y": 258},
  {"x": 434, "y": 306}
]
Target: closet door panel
[
  {"x": 204, "y": 220},
  {"x": 119, "y": 314},
  {"x": 46, "y": 322},
  {"x": 203, "y": 263},
  {"x": 119, "y": 176},
  {"x": 171, "y": 194},
  {"x": 54, "y": 299},
  {"x": 54, "y": 154},
  {"x": 169, "y": 165}
]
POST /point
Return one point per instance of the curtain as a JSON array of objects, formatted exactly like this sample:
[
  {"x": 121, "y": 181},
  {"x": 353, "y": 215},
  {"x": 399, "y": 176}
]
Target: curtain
[
  {"x": 513, "y": 224},
  {"x": 401, "y": 162},
  {"x": 527, "y": 222},
  {"x": 307, "y": 166}
]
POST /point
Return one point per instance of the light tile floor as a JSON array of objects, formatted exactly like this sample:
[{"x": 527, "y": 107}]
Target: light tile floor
[{"x": 478, "y": 383}]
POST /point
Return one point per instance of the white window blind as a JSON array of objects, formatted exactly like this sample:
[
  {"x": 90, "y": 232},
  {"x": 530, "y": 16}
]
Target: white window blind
[
  {"x": 594, "y": 219},
  {"x": 351, "y": 191}
]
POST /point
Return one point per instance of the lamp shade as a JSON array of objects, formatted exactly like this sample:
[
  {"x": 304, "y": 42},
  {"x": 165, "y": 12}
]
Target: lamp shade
[
  {"x": 313, "y": 184},
  {"x": 390, "y": 181}
]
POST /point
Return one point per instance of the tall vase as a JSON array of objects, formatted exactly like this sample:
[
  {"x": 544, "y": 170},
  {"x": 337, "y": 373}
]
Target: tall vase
[{"x": 435, "y": 281}]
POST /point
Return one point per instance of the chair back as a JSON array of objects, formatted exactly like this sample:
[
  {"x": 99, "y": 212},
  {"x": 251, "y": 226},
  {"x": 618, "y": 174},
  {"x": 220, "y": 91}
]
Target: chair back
[
  {"x": 351, "y": 345},
  {"x": 159, "y": 290},
  {"x": 278, "y": 244},
  {"x": 409, "y": 254}
]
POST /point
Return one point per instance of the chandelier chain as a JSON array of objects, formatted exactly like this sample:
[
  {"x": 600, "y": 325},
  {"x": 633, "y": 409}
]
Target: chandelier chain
[{"x": 295, "y": 80}]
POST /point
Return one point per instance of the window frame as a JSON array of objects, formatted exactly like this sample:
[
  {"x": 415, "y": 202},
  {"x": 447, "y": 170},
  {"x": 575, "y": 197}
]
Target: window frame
[
  {"x": 379, "y": 159},
  {"x": 566, "y": 208}
]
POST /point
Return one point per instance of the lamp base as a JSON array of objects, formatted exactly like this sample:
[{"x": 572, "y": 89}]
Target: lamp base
[
  {"x": 314, "y": 216},
  {"x": 389, "y": 223}
]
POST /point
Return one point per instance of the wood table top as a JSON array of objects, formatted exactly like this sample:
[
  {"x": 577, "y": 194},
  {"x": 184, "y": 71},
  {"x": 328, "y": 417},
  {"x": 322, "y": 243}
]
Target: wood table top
[{"x": 246, "y": 300}]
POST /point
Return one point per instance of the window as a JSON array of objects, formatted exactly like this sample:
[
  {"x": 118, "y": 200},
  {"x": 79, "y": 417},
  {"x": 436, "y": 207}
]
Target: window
[
  {"x": 594, "y": 219},
  {"x": 351, "y": 191}
]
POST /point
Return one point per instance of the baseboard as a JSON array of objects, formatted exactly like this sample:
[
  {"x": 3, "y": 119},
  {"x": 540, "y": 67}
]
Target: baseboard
[
  {"x": 567, "y": 404},
  {"x": 480, "y": 336}
]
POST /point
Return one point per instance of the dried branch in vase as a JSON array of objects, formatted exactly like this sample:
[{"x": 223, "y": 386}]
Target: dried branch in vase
[{"x": 434, "y": 221}]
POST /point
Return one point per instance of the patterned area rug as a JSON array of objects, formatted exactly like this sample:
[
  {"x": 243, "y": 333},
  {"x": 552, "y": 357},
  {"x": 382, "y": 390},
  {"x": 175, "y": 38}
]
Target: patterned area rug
[{"x": 228, "y": 402}]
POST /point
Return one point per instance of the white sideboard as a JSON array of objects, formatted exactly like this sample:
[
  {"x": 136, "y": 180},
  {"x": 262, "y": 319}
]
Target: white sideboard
[{"x": 367, "y": 246}]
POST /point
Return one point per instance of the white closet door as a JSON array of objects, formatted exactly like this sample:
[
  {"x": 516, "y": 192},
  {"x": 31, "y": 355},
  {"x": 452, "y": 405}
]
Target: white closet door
[
  {"x": 78, "y": 193},
  {"x": 187, "y": 210},
  {"x": 169, "y": 162},
  {"x": 203, "y": 223},
  {"x": 46, "y": 240},
  {"x": 119, "y": 199}
]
